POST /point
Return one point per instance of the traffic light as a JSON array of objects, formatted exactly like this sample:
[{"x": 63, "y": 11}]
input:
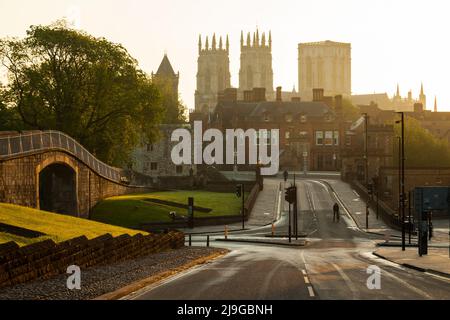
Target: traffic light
[
  {"x": 290, "y": 194},
  {"x": 287, "y": 195},
  {"x": 370, "y": 189},
  {"x": 238, "y": 190}
]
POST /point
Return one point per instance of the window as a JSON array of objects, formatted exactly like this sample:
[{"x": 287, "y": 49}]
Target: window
[
  {"x": 287, "y": 134},
  {"x": 154, "y": 166},
  {"x": 319, "y": 138},
  {"x": 303, "y": 118},
  {"x": 149, "y": 147},
  {"x": 303, "y": 134},
  {"x": 336, "y": 138},
  {"x": 348, "y": 140},
  {"x": 328, "y": 138},
  {"x": 179, "y": 169},
  {"x": 288, "y": 118}
]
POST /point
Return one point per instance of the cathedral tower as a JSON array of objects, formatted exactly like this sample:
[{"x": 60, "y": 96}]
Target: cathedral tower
[
  {"x": 213, "y": 72},
  {"x": 256, "y": 64}
]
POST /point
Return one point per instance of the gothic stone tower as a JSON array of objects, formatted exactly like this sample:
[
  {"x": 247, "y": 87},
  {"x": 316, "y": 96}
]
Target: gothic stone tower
[
  {"x": 213, "y": 73},
  {"x": 324, "y": 65},
  {"x": 166, "y": 75},
  {"x": 256, "y": 64}
]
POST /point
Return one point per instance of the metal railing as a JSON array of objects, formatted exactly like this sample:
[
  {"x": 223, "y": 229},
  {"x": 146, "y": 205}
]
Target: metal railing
[{"x": 18, "y": 144}]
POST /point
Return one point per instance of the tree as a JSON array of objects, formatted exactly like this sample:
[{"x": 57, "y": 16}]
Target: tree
[
  {"x": 422, "y": 149},
  {"x": 89, "y": 88},
  {"x": 349, "y": 111}
]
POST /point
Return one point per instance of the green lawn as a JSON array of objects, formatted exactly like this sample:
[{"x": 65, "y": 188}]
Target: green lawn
[
  {"x": 131, "y": 210},
  {"x": 56, "y": 226}
]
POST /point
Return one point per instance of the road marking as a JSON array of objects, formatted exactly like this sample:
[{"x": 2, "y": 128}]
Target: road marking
[
  {"x": 311, "y": 291},
  {"x": 406, "y": 284},
  {"x": 306, "y": 280},
  {"x": 348, "y": 281},
  {"x": 304, "y": 272}
]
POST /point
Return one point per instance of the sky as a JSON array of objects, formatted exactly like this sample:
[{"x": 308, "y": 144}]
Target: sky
[{"x": 393, "y": 41}]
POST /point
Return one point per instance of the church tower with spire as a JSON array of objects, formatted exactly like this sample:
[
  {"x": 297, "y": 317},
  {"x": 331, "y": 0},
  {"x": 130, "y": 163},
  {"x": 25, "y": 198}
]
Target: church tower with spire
[
  {"x": 256, "y": 63},
  {"x": 213, "y": 72},
  {"x": 422, "y": 97},
  {"x": 167, "y": 76}
]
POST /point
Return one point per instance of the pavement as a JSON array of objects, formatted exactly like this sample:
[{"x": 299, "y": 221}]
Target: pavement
[
  {"x": 437, "y": 261},
  {"x": 438, "y": 258}
]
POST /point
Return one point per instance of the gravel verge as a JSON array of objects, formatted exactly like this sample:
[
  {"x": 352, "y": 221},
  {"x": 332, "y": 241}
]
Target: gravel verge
[{"x": 99, "y": 280}]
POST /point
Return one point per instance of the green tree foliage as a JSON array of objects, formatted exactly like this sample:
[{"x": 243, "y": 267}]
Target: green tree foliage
[
  {"x": 349, "y": 111},
  {"x": 89, "y": 88},
  {"x": 422, "y": 149}
]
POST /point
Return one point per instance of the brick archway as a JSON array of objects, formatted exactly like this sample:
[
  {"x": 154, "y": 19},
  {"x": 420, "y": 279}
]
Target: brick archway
[{"x": 58, "y": 159}]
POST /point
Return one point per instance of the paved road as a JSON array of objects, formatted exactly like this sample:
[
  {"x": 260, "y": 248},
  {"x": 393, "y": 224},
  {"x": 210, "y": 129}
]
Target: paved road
[{"x": 333, "y": 265}]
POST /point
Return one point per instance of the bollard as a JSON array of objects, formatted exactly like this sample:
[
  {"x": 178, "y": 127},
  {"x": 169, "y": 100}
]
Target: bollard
[
  {"x": 273, "y": 229},
  {"x": 190, "y": 240},
  {"x": 207, "y": 240},
  {"x": 226, "y": 232}
]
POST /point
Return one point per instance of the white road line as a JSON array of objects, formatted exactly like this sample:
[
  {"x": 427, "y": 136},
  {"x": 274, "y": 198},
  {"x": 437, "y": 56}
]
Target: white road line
[
  {"x": 306, "y": 280},
  {"x": 304, "y": 272},
  {"x": 406, "y": 284},
  {"x": 348, "y": 281},
  {"x": 311, "y": 291}
]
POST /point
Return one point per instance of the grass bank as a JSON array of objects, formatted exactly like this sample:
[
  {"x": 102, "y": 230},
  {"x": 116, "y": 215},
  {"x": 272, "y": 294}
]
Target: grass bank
[
  {"x": 57, "y": 227},
  {"x": 131, "y": 210}
]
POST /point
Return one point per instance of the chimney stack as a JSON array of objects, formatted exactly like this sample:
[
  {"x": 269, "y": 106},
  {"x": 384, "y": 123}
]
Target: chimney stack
[
  {"x": 248, "y": 96},
  {"x": 279, "y": 94},
  {"x": 318, "y": 94},
  {"x": 259, "y": 94}
]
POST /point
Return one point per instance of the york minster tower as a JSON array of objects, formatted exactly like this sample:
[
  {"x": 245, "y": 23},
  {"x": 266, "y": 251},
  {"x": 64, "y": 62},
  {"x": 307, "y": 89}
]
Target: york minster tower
[
  {"x": 325, "y": 65},
  {"x": 256, "y": 63},
  {"x": 213, "y": 73}
]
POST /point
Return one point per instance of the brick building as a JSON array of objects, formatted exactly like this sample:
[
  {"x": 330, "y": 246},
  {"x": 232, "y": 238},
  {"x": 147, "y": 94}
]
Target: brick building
[
  {"x": 310, "y": 131},
  {"x": 380, "y": 139}
]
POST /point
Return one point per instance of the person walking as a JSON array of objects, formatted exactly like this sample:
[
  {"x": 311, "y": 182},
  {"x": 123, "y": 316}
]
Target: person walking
[{"x": 336, "y": 212}]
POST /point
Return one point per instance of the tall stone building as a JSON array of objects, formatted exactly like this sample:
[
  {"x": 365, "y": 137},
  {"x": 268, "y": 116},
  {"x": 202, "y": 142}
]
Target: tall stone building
[
  {"x": 213, "y": 75},
  {"x": 326, "y": 65},
  {"x": 256, "y": 64},
  {"x": 166, "y": 75}
]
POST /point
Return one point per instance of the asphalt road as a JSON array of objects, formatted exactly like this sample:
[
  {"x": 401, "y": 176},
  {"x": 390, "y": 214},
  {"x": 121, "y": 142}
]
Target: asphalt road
[{"x": 333, "y": 265}]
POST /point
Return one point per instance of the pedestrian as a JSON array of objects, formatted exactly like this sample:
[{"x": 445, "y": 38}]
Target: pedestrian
[{"x": 336, "y": 212}]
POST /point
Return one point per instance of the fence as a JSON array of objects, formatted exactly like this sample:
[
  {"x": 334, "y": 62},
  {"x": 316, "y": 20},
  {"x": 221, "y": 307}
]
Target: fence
[{"x": 20, "y": 144}]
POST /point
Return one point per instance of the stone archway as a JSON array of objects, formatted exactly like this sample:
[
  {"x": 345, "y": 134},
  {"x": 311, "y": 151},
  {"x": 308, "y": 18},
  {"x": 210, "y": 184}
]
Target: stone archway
[{"x": 58, "y": 189}]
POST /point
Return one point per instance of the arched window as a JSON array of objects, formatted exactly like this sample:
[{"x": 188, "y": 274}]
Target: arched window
[
  {"x": 207, "y": 81},
  {"x": 263, "y": 77},
  {"x": 309, "y": 72},
  {"x": 221, "y": 81},
  {"x": 249, "y": 78}
]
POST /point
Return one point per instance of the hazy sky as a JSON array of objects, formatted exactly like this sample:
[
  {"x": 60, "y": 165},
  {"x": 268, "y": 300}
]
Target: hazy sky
[{"x": 393, "y": 41}]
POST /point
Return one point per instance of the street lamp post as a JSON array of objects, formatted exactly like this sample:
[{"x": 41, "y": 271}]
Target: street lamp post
[
  {"x": 402, "y": 178},
  {"x": 366, "y": 160}
]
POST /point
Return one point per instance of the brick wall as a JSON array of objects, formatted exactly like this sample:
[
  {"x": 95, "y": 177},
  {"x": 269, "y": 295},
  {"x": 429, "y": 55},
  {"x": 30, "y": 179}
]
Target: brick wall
[
  {"x": 45, "y": 259},
  {"x": 19, "y": 181}
]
